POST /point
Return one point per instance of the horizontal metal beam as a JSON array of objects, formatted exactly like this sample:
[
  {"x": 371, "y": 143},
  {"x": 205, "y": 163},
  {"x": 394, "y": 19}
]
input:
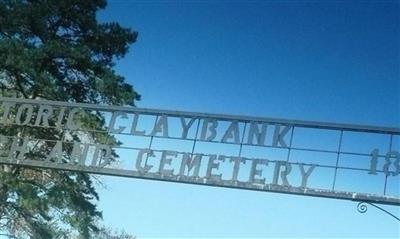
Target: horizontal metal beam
[
  {"x": 223, "y": 117},
  {"x": 359, "y": 197}
]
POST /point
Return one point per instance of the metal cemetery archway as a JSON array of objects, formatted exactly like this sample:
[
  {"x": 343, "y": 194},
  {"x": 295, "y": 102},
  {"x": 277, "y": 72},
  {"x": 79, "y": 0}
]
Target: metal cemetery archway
[{"x": 341, "y": 161}]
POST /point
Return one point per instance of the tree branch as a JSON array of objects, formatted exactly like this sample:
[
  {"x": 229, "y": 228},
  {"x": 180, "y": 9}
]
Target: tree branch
[{"x": 8, "y": 235}]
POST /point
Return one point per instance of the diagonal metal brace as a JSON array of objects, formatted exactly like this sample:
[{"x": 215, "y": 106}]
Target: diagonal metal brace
[{"x": 362, "y": 207}]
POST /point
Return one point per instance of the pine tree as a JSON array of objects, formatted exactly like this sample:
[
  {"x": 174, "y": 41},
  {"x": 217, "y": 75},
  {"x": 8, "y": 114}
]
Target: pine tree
[{"x": 57, "y": 50}]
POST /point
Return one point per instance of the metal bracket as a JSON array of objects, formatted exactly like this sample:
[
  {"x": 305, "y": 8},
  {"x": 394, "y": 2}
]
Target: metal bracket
[{"x": 362, "y": 207}]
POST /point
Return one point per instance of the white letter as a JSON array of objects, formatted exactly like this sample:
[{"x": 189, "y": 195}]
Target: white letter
[
  {"x": 232, "y": 132},
  {"x": 236, "y": 166},
  {"x": 257, "y": 172},
  {"x": 374, "y": 161},
  {"x": 78, "y": 156},
  {"x": 21, "y": 109},
  {"x": 161, "y": 126},
  {"x": 284, "y": 173},
  {"x": 305, "y": 175},
  {"x": 56, "y": 153},
  {"x": 255, "y": 132},
  {"x": 212, "y": 128},
  {"x": 396, "y": 163},
  {"x": 134, "y": 125},
  {"x": 101, "y": 156},
  {"x": 139, "y": 167},
  {"x": 70, "y": 121},
  {"x": 42, "y": 115},
  {"x": 212, "y": 165},
  {"x": 279, "y": 136},
  {"x": 166, "y": 160},
  {"x": 186, "y": 127},
  {"x": 112, "y": 122},
  {"x": 6, "y": 106},
  {"x": 60, "y": 118},
  {"x": 17, "y": 148},
  {"x": 190, "y": 161}
]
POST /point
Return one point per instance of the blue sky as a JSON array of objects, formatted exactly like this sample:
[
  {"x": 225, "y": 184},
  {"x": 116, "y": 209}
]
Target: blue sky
[{"x": 333, "y": 61}]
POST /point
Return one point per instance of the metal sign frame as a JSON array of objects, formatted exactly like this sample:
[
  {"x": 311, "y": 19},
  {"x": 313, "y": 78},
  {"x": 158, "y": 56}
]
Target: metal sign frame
[{"x": 205, "y": 126}]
